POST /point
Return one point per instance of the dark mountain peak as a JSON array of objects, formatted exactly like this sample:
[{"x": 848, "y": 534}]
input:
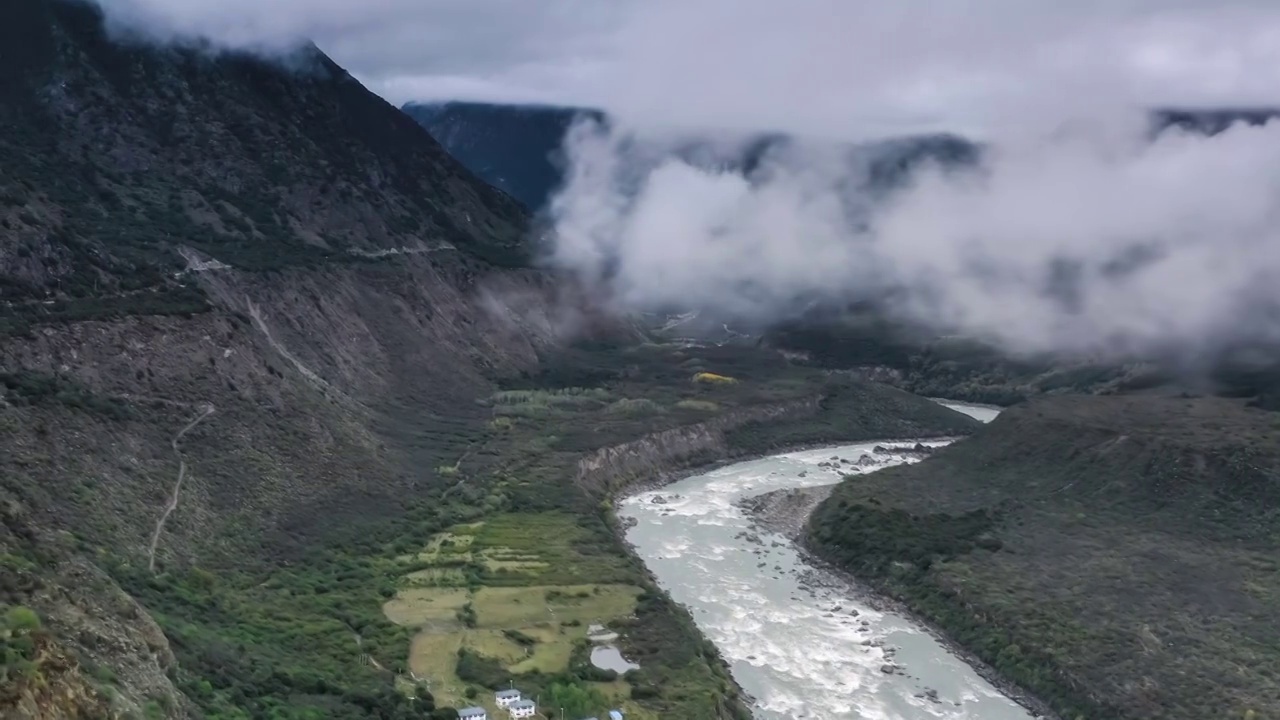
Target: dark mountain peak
[
  {"x": 519, "y": 148},
  {"x": 116, "y": 154},
  {"x": 516, "y": 148},
  {"x": 529, "y": 112},
  {"x": 1211, "y": 121}
]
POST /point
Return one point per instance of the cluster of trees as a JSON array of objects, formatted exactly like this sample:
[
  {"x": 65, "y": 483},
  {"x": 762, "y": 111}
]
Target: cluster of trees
[{"x": 565, "y": 690}]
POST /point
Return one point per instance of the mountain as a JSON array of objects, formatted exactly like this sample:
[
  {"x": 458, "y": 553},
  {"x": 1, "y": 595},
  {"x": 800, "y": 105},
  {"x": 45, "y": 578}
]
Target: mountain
[
  {"x": 1113, "y": 555},
  {"x": 519, "y": 148},
  {"x": 1210, "y": 121},
  {"x": 221, "y": 280},
  {"x": 289, "y": 427},
  {"x": 271, "y": 360},
  {"x": 516, "y": 148}
]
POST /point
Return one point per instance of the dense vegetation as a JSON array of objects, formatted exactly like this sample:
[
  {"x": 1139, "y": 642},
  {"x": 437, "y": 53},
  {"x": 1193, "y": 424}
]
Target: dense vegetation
[
  {"x": 1114, "y": 556},
  {"x": 19, "y": 634},
  {"x": 296, "y": 643}
]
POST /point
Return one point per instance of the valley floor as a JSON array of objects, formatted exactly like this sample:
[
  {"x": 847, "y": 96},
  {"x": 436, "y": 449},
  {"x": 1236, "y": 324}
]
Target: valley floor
[{"x": 457, "y": 552}]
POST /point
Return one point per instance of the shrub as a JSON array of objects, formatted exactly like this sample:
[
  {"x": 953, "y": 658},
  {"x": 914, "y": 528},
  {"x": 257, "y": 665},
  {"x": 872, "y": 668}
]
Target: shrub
[{"x": 21, "y": 619}]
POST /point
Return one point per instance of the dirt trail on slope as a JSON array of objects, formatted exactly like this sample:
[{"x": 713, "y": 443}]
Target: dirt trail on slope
[{"x": 177, "y": 486}]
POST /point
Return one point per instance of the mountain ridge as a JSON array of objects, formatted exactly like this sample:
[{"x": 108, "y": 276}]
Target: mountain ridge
[{"x": 518, "y": 148}]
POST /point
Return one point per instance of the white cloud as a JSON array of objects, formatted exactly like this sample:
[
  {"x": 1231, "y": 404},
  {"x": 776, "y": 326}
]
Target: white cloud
[
  {"x": 1175, "y": 241},
  {"x": 824, "y": 67}
]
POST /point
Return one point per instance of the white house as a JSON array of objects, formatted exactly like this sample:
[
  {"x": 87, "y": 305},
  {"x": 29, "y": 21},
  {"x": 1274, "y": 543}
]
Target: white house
[
  {"x": 504, "y": 698},
  {"x": 522, "y": 709},
  {"x": 473, "y": 713},
  {"x": 615, "y": 715}
]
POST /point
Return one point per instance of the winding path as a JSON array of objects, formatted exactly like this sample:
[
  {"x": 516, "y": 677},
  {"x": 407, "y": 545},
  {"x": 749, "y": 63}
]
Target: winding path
[{"x": 177, "y": 486}]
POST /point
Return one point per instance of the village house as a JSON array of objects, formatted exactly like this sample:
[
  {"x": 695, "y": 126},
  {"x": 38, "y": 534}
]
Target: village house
[
  {"x": 473, "y": 713},
  {"x": 504, "y": 698},
  {"x": 522, "y": 709}
]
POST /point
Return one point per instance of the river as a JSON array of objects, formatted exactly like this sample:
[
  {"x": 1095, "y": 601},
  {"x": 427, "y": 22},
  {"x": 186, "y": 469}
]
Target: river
[{"x": 797, "y": 638}]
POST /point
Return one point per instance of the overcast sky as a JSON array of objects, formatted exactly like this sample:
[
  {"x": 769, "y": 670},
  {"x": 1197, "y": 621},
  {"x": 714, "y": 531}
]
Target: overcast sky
[{"x": 817, "y": 66}]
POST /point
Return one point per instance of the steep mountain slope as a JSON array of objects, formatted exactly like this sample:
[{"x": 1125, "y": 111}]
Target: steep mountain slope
[
  {"x": 230, "y": 289},
  {"x": 1114, "y": 555},
  {"x": 157, "y": 144}
]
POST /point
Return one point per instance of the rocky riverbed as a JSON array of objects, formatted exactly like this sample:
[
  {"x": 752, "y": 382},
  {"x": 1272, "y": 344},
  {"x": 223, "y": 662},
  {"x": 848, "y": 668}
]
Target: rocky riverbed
[{"x": 785, "y": 512}]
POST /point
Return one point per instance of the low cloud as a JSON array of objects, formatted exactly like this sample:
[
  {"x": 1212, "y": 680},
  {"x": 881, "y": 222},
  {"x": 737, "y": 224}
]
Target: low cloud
[
  {"x": 1076, "y": 231},
  {"x": 1093, "y": 239}
]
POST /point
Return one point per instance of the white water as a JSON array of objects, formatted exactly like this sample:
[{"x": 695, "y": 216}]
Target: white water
[{"x": 800, "y": 653}]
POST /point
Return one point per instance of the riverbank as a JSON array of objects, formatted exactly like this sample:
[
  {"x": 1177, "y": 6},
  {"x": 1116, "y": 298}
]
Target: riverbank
[
  {"x": 786, "y": 512},
  {"x": 792, "y": 634},
  {"x": 1112, "y": 555}
]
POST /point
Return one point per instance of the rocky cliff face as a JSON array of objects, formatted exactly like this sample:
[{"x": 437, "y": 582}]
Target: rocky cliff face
[
  {"x": 655, "y": 457},
  {"x": 840, "y": 412}
]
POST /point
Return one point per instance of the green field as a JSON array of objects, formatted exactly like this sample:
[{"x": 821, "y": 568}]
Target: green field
[{"x": 518, "y": 604}]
